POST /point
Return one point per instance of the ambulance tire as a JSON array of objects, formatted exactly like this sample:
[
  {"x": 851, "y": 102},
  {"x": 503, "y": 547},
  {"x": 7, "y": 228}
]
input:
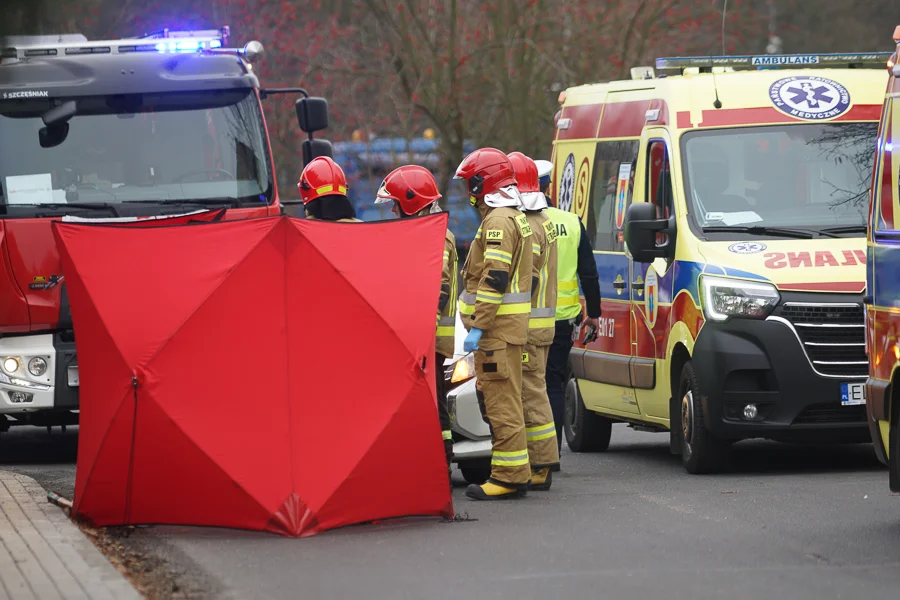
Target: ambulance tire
[
  {"x": 585, "y": 430},
  {"x": 700, "y": 451}
]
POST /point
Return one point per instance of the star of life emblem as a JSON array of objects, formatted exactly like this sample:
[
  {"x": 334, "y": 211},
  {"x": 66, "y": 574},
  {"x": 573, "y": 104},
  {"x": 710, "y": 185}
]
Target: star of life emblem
[
  {"x": 810, "y": 98},
  {"x": 567, "y": 184},
  {"x": 747, "y": 247}
]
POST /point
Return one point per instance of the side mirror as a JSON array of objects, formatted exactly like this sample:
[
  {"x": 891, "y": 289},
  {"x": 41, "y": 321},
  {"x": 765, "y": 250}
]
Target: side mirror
[
  {"x": 312, "y": 114},
  {"x": 316, "y": 148},
  {"x": 641, "y": 227}
]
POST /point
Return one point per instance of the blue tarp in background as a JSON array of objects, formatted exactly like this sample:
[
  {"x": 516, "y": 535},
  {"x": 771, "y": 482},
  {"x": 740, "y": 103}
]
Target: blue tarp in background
[{"x": 367, "y": 163}]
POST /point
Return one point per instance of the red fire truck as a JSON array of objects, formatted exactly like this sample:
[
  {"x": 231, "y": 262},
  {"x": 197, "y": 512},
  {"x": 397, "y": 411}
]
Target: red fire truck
[{"x": 160, "y": 126}]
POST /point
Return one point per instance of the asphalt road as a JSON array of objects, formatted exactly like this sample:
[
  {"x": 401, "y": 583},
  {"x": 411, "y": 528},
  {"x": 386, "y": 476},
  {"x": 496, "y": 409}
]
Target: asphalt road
[{"x": 790, "y": 522}]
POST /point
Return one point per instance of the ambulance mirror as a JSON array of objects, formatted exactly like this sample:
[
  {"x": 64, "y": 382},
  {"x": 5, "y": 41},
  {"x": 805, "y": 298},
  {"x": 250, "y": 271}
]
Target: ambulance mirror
[{"x": 641, "y": 227}]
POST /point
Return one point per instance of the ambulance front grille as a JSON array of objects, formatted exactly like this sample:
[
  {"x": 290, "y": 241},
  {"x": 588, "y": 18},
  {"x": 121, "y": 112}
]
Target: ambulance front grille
[{"x": 833, "y": 336}]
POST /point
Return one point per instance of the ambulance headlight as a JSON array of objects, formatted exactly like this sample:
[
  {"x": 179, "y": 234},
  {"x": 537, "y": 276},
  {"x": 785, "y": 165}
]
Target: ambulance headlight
[{"x": 724, "y": 298}]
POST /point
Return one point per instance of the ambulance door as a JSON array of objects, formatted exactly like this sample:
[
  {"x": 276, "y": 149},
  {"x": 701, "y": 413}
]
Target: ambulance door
[
  {"x": 607, "y": 386},
  {"x": 651, "y": 297}
]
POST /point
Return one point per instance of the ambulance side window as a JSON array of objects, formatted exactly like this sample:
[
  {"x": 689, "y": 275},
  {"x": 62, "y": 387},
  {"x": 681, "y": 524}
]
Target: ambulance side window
[
  {"x": 659, "y": 183},
  {"x": 611, "y": 189}
]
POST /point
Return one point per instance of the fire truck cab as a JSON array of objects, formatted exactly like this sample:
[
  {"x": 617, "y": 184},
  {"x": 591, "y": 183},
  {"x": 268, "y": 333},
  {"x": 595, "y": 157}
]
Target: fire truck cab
[{"x": 166, "y": 124}]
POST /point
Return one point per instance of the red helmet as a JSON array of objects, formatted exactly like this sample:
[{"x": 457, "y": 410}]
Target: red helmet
[
  {"x": 526, "y": 172},
  {"x": 486, "y": 170},
  {"x": 411, "y": 186},
  {"x": 321, "y": 177}
]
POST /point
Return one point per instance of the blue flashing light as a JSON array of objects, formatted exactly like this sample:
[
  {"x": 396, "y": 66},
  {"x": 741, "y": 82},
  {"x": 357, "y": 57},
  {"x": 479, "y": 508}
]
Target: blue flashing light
[{"x": 187, "y": 45}]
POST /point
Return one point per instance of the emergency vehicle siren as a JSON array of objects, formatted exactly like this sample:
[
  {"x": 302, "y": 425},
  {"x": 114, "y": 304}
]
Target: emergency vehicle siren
[
  {"x": 679, "y": 65},
  {"x": 166, "y": 40}
]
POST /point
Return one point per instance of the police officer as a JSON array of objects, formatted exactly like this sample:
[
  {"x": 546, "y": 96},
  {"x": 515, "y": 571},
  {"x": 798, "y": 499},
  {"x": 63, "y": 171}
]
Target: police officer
[
  {"x": 323, "y": 189},
  {"x": 540, "y": 431},
  {"x": 414, "y": 192},
  {"x": 495, "y": 306},
  {"x": 575, "y": 262}
]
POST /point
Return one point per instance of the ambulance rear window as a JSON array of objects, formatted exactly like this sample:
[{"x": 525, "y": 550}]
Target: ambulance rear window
[{"x": 807, "y": 175}]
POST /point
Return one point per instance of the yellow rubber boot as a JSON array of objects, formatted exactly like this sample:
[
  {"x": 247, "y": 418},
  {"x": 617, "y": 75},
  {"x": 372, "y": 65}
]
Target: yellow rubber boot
[
  {"x": 490, "y": 490},
  {"x": 541, "y": 479}
]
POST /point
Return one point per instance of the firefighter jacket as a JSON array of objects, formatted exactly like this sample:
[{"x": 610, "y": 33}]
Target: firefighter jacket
[
  {"x": 542, "y": 321},
  {"x": 446, "y": 316},
  {"x": 497, "y": 277}
]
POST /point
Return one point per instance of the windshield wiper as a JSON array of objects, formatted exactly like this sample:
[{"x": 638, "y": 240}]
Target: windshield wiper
[
  {"x": 845, "y": 229},
  {"x": 63, "y": 206},
  {"x": 760, "y": 230},
  {"x": 198, "y": 201}
]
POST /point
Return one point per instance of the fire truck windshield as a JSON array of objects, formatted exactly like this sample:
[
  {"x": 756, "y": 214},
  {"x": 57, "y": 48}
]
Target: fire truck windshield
[
  {"x": 813, "y": 176},
  {"x": 176, "y": 147}
]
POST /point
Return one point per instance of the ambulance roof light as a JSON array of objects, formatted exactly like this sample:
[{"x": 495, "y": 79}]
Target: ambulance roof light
[{"x": 773, "y": 61}]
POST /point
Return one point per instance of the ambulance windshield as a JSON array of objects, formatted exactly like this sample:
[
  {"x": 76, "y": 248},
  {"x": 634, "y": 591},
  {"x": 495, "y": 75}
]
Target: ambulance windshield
[{"x": 813, "y": 176}]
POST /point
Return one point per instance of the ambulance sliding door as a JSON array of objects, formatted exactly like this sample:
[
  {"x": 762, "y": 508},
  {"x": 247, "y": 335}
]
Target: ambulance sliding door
[{"x": 606, "y": 374}]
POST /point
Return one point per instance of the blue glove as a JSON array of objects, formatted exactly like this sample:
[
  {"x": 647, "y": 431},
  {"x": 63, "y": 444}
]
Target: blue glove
[{"x": 471, "y": 343}]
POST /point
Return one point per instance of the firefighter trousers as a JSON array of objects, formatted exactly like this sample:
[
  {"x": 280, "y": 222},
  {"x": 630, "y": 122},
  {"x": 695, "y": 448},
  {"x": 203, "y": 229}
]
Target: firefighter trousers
[
  {"x": 540, "y": 430},
  {"x": 440, "y": 386},
  {"x": 498, "y": 372}
]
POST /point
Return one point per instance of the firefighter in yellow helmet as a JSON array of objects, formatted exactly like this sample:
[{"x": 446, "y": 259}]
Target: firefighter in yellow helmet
[
  {"x": 495, "y": 305},
  {"x": 413, "y": 192},
  {"x": 323, "y": 189},
  {"x": 540, "y": 431}
]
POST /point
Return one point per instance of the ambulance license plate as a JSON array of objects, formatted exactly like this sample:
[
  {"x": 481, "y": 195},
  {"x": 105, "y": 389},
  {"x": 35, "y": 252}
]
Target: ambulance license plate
[
  {"x": 73, "y": 376},
  {"x": 853, "y": 393}
]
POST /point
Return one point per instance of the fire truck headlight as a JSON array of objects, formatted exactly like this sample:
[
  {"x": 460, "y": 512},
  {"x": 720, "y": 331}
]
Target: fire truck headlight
[
  {"x": 11, "y": 364},
  {"x": 37, "y": 366}
]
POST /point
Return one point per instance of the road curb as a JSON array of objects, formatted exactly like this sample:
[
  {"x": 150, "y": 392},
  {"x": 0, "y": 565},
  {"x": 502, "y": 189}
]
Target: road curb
[{"x": 43, "y": 554}]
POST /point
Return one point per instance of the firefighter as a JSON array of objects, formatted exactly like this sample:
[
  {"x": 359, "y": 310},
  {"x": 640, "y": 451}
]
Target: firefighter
[
  {"x": 323, "y": 189},
  {"x": 495, "y": 306},
  {"x": 575, "y": 262},
  {"x": 414, "y": 192},
  {"x": 540, "y": 431}
]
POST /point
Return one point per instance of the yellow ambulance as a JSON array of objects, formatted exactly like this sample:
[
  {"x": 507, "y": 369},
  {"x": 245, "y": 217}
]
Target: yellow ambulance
[{"x": 726, "y": 202}]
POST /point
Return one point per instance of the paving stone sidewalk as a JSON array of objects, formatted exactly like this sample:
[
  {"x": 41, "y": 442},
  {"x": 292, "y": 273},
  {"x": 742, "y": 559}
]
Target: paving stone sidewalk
[{"x": 43, "y": 555}]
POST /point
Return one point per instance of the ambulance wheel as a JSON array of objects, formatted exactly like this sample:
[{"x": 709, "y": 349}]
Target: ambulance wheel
[
  {"x": 700, "y": 451},
  {"x": 586, "y": 431},
  {"x": 476, "y": 472}
]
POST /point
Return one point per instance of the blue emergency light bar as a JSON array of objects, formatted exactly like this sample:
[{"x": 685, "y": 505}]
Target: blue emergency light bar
[
  {"x": 773, "y": 61},
  {"x": 167, "y": 41}
]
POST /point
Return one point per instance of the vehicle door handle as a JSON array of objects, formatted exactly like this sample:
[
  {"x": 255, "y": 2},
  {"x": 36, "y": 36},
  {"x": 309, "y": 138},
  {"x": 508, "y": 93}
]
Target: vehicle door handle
[
  {"x": 619, "y": 285},
  {"x": 638, "y": 285}
]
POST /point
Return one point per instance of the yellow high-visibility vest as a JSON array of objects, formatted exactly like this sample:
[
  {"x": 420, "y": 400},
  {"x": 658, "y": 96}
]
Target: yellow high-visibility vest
[{"x": 568, "y": 236}]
